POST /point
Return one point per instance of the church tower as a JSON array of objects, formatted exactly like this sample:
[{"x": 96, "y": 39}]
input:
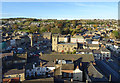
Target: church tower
[{"x": 54, "y": 42}]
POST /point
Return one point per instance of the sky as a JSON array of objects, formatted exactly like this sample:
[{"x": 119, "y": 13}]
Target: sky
[{"x": 60, "y": 10}]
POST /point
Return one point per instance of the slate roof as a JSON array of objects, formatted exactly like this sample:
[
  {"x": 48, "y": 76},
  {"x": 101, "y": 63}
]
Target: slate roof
[
  {"x": 104, "y": 49},
  {"x": 41, "y": 80},
  {"x": 6, "y": 54},
  {"x": 93, "y": 45},
  {"x": 94, "y": 74},
  {"x": 14, "y": 71},
  {"x": 96, "y": 51},
  {"x": 68, "y": 67},
  {"x": 68, "y": 43},
  {"x": 49, "y": 64},
  {"x": 52, "y": 57},
  {"x": 13, "y": 58},
  {"x": 84, "y": 50}
]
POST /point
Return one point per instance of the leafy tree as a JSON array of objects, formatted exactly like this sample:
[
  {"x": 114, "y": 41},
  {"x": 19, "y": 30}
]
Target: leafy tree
[
  {"x": 74, "y": 52},
  {"x": 44, "y": 29},
  {"x": 55, "y": 30},
  {"x": 15, "y": 26},
  {"x": 116, "y": 34},
  {"x": 89, "y": 28},
  {"x": 73, "y": 32}
]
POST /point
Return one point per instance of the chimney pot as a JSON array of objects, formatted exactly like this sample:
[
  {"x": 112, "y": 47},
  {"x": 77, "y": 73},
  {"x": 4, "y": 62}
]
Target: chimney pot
[
  {"x": 77, "y": 67},
  {"x": 80, "y": 64}
]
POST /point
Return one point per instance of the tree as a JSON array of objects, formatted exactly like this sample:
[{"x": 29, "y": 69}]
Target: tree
[
  {"x": 33, "y": 29},
  {"x": 116, "y": 34},
  {"x": 44, "y": 29},
  {"x": 48, "y": 27},
  {"x": 73, "y": 32},
  {"x": 89, "y": 29},
  {"x": 55, "y": 30},
  {"x": 15, "y": 26},
  {"x": 74, "y": 52},
  {"x": 66, "y": 31}
]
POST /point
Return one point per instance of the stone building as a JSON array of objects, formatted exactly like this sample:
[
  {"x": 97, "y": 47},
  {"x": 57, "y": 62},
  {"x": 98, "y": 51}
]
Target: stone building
[
  {"x": 13, "y": 73},
  {"x": 61, "y": 46}
]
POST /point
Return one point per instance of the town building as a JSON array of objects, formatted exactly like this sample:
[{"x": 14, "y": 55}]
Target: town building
[
  {"x": 62, "y": 47},
  {"x": 13, "y": 73},
  {"x": 106, "y": 54},
  {"x": 77, "y": 38},
  {"x": 97, "y": 54}
]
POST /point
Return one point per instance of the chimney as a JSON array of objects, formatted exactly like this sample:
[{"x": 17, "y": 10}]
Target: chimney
[
  {"x": 71, "y": 80},
  {"x": 33, "y": 66},
  {"x": 94, "y": 63},
  {"x": 55, "y": 61},
  {"x": 110, "y": 78},
  {"x": 26, "y": 54},
  {"x": 40, "y": 64},
  {"x": 12, "y": 52},
  {"x": 40, "y": 53},
  {"x": 77, "y": 67},
  {"x": 86, "y": 81},
  {"x": 61, "y": 62},
  {"x": 72, "y": 60},
  {"x": 80, "y": 64}
]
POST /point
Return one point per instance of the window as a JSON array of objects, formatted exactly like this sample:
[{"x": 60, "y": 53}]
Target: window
[
  {"x": 69, "y": 74},
  {"x": 64, "y": 74}
]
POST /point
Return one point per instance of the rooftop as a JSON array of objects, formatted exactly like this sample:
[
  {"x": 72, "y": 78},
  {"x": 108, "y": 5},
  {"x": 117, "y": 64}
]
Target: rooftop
[
  {"x": 94, "y": 74},
  {"x": 104, "y": 49},
  {"x": 96, "y": 51},
  {"x": 52, "y": 57},
  {"x": 68, "y": 43},
  {"x": 14, "y": 71},
  {"x": 84, "y": 50},
  {"x": 93, "y": 45}
]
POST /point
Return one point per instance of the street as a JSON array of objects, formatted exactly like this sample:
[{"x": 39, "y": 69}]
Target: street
[{"x": 107, "y": 70}]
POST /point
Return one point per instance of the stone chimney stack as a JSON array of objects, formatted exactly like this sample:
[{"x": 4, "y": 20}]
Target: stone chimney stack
[
  {"x": 40, "y": 53},
  {"x": 61, "y": 62},
  {"x": 80, "y": 64},
  {"x": 94, "y": 63},
  {"x": 55, "y": 61},
  {"x": 77, "y": 67},
  {"x": 12, "y": 52},
  {"x": 72, "y": 60},
  {"x": 40, "y": 64},
  {"x": 110, "y": 78}
]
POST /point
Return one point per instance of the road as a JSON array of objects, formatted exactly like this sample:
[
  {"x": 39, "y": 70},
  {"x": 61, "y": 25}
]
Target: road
[
  {"x": 113, "y": 65},
  {"x": 107, "y": 70}
]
